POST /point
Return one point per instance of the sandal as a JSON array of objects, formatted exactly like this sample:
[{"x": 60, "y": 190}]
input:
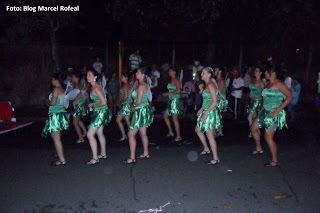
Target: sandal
[
  {"x": 58, "y": 163},
  {"x": 129, "y": 161},
  {"x": 213, "y": 162},
  {"x": 123, "y": 138},
  {"x": 92, "y": 162},
  {"x": 205, "y": 152},
  {"x": 102, "y": 156},
  {"x": 275, "y": 164},
  {"x": 177, "y": 140},
  {"x": 80, "y": 141},
  {"x": 257, "y": 152},
  {"x": 169, "y": 135},
  {"x": 143, "y": 157},
  {"x": 84, "y": 135}
]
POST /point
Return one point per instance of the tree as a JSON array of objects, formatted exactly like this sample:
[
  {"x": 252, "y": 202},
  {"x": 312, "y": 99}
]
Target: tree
[{"x": 27, "y": 25}]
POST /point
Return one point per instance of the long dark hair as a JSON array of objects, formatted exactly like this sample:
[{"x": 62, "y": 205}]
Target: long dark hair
[{"x": 59, "y": 77}]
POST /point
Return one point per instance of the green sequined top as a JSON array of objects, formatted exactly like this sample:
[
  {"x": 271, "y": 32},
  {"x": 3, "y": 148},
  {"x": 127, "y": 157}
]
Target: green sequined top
[
  {"x": 58, "y": 107},
  {"x": 207, "y": 101},
  {"x": 172, "y": 88},
  {"x": 224, "y": 91},
  {"x": 128, "y": 100},
  {"x": 272, "y": 98},
  {"x": 95, "y": 99},
  {"x": 144, "y": 102},
  {"x": 255, "y": 91}
]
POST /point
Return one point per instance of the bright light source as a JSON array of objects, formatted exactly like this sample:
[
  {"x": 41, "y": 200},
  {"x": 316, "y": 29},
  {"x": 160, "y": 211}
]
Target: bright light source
[
  {"x": 12, "y": 109},
  {"x": 297, "y": 49}
]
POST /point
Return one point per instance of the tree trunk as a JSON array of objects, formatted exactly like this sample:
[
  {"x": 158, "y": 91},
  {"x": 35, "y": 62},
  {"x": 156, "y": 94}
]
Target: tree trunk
[
  {"x": 241, "y": 55},
  {"x": 309, "y": 62},
  {"x": 55, "y": 57},
  {"x": 107, "y": 56},
  {"x": 159, "y": 52},
  {"x": 173, "y": 54},
  {"x": 210, "y": 54}
]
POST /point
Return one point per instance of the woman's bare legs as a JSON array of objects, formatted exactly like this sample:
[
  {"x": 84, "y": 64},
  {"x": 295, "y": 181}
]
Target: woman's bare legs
[
  {"x": 56, "y": 136},
  {"x": 213, "y": 144},
  {"x": 202, "y": 139},
  {"x": 145, "y": 140},
  {"x": 76, "y": 125},
  {"x": 269, "y": 137},
  {"x": 121, "y": 126},
  {"x": 176, "y": 125},
  {"x": 132, "y": 142},
  {"x": 256, "y": 135},
  {"x": 167, "y": 120},
  {"x": 93, "y": 142},
  {"x": 102, "y": 140}
]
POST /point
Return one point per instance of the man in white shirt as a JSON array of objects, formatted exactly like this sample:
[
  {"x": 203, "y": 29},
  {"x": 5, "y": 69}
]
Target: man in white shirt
[
  {"x": 155, "y": 81},
  {"x": 97, "y": 66},
  {"x": 236, "y": 91},
  {"x": 135, "y": 60}
]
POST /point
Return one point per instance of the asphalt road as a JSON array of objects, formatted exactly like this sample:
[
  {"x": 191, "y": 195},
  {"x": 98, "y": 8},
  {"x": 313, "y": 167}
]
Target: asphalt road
[{"x": 175, "y": 179}]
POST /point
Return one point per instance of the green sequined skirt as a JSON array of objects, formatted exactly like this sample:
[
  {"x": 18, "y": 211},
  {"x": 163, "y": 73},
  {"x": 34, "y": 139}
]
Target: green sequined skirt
[
  {"x": 100, "y": 117},
  {"x": 81, "y": 109},
  {"x": 254, "y": 105},
  {"x": 56, "y": 122},
  {"x": 142, "y": 117},
  {"x": 213, "y": 121},
  {"x": 125, "y": 110},
  {"x": 266, "y": 120},
  {"x": 174, "y": 107},
  {"x": 222, "y": 105}
]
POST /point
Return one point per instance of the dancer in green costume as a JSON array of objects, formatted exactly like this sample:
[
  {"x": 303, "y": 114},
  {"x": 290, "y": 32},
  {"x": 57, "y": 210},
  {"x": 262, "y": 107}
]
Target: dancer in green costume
[
  {"x": 255, "y": 104},
  {"x": 272, "y": 116},
  {"x": 58, "y": 118},
  {"x": 125, "y": 110},
  {"x": 101, "y": 116},
  {"x": 208, "y": 116},
  {"x": 142, "y": 116},
  {"x": 174, "y": 106},
  {"x": 80, "y": 109}
]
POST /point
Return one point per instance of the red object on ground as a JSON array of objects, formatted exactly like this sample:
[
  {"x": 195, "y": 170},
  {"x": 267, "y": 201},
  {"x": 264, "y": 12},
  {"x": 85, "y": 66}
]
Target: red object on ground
[{"x": 6, "y": 112}]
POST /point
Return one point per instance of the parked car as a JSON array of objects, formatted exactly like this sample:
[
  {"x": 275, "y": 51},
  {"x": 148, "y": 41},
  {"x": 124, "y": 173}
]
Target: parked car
[{"x": 7, "y": 120}]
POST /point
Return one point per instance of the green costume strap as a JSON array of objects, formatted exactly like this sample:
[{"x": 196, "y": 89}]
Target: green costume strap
[
  {"x": 175, "y": 105},
  {"x": 80, "y": 108},
  {"x": 58, "y": 118},
  {"x": 222, "y": 105},
  {"x": 213, "y": 119},
  {"x": 125, "y": 105},
  {"x": 101, "y": 115},
  {"x": 272, "y": 98},
  {"x": 255, "y": 103},
  {"x": 143, "y": 115}
]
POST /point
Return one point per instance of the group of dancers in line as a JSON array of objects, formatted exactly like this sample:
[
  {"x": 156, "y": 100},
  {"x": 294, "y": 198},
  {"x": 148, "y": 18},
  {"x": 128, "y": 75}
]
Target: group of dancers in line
[{"x": 266, "y": 110}]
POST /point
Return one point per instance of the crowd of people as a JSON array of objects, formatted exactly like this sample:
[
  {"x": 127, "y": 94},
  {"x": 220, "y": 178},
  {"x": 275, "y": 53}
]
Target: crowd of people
[{"x": 209, "y": 91}]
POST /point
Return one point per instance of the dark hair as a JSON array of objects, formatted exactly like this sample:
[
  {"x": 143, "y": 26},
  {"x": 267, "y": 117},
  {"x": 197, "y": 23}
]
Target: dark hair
[
  {"x": 77, "y": 74},
  {"x": 59, "y": 77},
  {"x": 94, "y": 73},
  {"x": 125, "y": 74},
  {"x": 145, "y": 70}
]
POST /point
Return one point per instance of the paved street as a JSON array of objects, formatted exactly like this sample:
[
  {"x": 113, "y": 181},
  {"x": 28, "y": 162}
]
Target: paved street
[{"x": 176, "y": 177}]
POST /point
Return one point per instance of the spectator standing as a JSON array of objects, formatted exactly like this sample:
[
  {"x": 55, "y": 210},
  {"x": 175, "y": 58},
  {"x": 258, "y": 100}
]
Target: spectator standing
[
  {"x": 236, "y": 91},
  {"x": 196, "y": 71},
  {"x": 97, "y": 66},
  {"x": 295, "y": 90},
  {"x": 155, "y": 76},
  {"x": 135, "y": 60},
  {"x": 113, "y": 92}
]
